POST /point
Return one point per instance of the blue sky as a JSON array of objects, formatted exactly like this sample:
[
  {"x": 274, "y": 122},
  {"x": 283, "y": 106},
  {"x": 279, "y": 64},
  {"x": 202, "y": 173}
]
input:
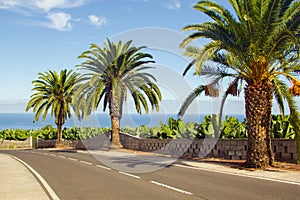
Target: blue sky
[{"x": 37, "y": 35}]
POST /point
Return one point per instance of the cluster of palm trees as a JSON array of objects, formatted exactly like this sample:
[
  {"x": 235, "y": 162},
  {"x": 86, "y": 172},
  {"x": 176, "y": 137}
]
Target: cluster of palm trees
[{"x": 255, "y": 47}]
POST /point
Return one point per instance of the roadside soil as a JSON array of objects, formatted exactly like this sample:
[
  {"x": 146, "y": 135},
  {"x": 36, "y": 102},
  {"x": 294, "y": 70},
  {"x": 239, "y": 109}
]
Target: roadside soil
[{"x": 239, "y": 164}]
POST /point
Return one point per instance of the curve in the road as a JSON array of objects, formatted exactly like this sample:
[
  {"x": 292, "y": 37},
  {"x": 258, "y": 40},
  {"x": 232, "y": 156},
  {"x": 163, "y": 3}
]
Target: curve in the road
[{"x": 47, "y": 187}]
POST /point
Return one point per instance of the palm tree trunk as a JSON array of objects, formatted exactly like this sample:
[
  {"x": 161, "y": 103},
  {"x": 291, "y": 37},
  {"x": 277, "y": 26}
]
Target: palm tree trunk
[
  {"x": 115, "y": 116},
  {"x": 268, "y": 138},
  {"x": 115, "y": 132},
  {"x": 258, "y": 105},
  {"x": 60, "y": 122},
  {"x": 268, "y": 120},
  {"x": 59, "y": 134},
  {"x": 298, "y": 146}
]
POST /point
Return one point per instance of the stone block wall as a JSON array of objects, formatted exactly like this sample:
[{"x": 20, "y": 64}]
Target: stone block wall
[
  {"x": 41, "y": 143},
  {"x": 130, "y": 142},
  {"x": 99, "y": 142},
  {"x": 285, "y": 150},
  {"x": 5, "y": 144}
]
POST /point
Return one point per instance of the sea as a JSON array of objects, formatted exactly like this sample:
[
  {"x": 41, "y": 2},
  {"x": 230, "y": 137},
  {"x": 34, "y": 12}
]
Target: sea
[{"x": 25, "y": 120}]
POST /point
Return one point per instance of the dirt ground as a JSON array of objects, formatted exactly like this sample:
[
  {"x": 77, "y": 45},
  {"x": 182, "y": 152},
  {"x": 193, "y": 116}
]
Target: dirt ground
[{"x": 239, "y": 164}]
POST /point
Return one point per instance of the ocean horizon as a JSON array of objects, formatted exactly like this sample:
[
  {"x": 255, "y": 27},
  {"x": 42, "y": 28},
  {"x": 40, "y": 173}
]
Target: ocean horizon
[{"x": 25, "y": 120}]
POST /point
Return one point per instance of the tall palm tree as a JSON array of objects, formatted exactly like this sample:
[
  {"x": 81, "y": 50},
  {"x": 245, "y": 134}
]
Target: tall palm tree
[
  {"x": 261, "y": 45},
  {"x": 111, "y": 73},
  {"x": 53, "y": 91},
  {"x": 217, "y": 69}
]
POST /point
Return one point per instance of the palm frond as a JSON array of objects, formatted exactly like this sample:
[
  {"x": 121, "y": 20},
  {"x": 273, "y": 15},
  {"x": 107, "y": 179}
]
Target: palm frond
[{"x": 187, "y": 102}]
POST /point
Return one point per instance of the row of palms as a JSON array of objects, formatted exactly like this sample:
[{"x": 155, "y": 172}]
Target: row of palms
[{"x": 255, "y": 47}]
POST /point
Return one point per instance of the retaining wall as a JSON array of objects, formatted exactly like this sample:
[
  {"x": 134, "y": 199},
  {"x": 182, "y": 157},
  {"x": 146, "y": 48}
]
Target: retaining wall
[
  {"x": 285, "y": 150},
  {"x": 5, "y": 144}
]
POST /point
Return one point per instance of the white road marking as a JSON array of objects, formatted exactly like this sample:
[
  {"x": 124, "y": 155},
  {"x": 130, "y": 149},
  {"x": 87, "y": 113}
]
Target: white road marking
[
  {"x": 41, "y": 179},
  {"x": 87, "y": 163},
  {"x": 172, "y": 188},
  {"x": 241, "y": 175},
  {"x": 73, "y": 159},
  {"x": 62, "y": 156},
  {"x": 127, "y": 174},
  {"x": 107, "y": 168}
]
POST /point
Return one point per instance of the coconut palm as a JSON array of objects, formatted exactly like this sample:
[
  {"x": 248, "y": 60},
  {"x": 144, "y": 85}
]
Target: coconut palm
[
  {"x": 111, "y": 73},
  {"x": 259, "y": 46},
  {"x": 53, "y": 91}
]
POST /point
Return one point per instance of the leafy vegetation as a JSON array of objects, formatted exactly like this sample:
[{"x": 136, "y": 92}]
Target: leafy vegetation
[
  {"x": 231, "y": 128},
  {"x": 50, "y": 133}
]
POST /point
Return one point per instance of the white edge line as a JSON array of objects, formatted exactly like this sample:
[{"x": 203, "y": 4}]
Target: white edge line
[
  {"x": 127, "y": 174},
  {"x": 41, "y": 179},
  {"x": 241, "y": 175},
  {"x": 107, "y": 168},
  {"x": 84, "y": 162},
  {"x": 172, "y": 188}
]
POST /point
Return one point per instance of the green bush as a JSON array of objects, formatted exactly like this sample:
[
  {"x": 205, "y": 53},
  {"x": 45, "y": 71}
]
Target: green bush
[{"x": 231, "y": 128}]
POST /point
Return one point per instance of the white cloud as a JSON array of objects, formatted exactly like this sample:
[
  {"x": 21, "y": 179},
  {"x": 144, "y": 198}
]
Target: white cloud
[
  {"x": 97, "y": 20},
  {"x": 74, "y": 43},
  {"x": 59, "y": 21},
  {"x": 6, "y": 4},
  {"x": 47, "y": 5},
  {"x": 173, "y": 5},
  {"x": 41, "y": 5}
]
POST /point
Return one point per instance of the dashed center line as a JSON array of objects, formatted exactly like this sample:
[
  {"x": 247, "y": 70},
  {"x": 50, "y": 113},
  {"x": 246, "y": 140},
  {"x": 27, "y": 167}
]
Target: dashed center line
[
  {"x": 73, "y": 159},
  {"x": 121, "y": 172},
  {"x": 62, "y": 156},
  {"x": 84, "y": 162},
  {"x": 107, "y": 168},
  {"x": 127, "y": 174},
  {"x": 172, "y": 188}
]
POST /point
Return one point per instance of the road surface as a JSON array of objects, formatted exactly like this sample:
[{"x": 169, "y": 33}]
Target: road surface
[{"x": 80, "y": 175}]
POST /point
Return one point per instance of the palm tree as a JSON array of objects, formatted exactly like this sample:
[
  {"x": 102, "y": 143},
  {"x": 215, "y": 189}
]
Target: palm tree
[
  {"x": 111, "y": 73},
  {"x": 258, "y": 46},
  {"x": 53, "y": 91}
]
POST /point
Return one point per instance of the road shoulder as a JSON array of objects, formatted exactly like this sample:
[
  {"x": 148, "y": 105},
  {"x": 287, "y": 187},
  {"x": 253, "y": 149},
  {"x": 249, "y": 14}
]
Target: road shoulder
[{"x": 17, "y": 182}]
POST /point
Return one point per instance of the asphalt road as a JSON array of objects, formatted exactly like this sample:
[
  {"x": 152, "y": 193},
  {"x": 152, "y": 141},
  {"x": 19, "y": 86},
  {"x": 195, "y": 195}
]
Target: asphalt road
[{"x": 74, "y": 175}]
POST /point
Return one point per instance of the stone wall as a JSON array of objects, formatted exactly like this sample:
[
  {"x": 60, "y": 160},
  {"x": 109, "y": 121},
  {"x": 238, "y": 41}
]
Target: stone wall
[
  {"x": 99, "y": 142},
  {"x": 11, "y": 144},
  {"x": 284, "y": 149},
  {"x": 41, "y": 143}
]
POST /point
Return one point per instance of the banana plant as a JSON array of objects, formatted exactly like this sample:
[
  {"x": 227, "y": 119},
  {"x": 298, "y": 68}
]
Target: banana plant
[
  {"x": 232, "y": 128},
  {"x": 281, "y": 127}
]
